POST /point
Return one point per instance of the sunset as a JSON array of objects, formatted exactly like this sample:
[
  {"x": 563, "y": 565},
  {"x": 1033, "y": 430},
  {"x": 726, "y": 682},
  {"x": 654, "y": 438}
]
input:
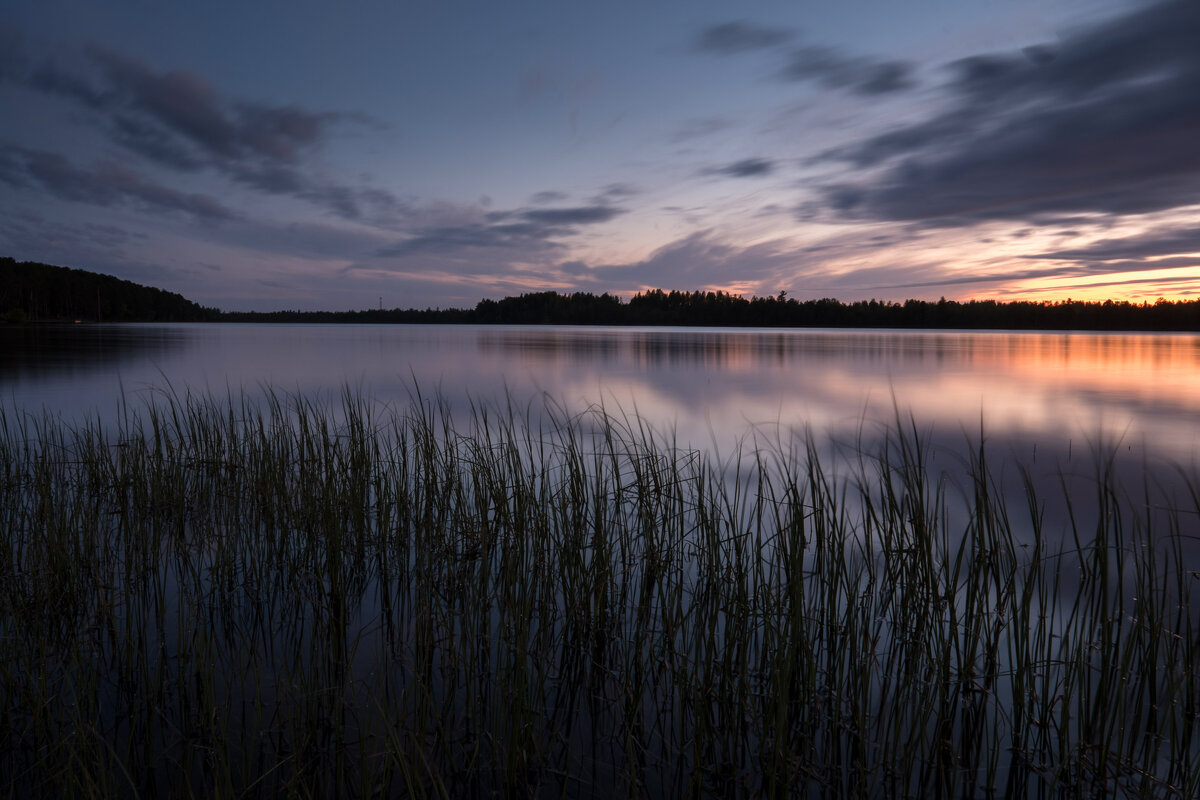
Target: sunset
[{"x": 316, "y": 156}]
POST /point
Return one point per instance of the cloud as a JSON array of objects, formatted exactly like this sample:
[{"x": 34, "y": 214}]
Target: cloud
[
  {"x": 583, "y": 215},
  {"x": 105, "y": 185},
  {"x": 700, "y": 260},
  {"x": 449, "y": 239},
  {"x": 1179, "y": 285},
  {"x": 188, "y": 107},
  {"x": 827, "y": 66},
  {"x": 859, "y": 74},
  {"x": 614, "y": 192},
  {"x": 548, "y": 196},
  {"x": 1104, "y": 123},
  {"x": 12, "y": 50},
  {"x": 746, "y": 168},
  {"x": 179, "y": 121},
  {"x": 1152, "y": 244},
  {"x": 910, "y": 276},
  {"x": 534, "y": 230},
  {"x": 38, "y": 238},
  {"x": 733, "y": 37}
]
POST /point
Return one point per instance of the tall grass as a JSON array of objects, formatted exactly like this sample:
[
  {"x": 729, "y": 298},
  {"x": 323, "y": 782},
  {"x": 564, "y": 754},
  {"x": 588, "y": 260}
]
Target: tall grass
[{"x": 259, "y": 597}]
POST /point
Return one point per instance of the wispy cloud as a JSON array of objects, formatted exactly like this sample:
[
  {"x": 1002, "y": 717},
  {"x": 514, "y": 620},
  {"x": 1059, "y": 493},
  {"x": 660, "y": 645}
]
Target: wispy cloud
[
  {"x": 106, "y": 184},
  {"x": 615, "y": 192},
  {"x": 583, "y": 215},
  {"x": 184, "y": 107},
  {"x": 827, "y": 66},
  {"x": 746, "y": 168},
  {"x": 35, "y": 237},
  {"x": 697, "y": 261},
  {"x": 836, "y": 70},
  {"x": 1150, "y": 244},
  {"x": 176, "y": 120},
  {"x": 530, "y": 229},
  {"x": 738, "y": 36},
  {"x": 548, "y": 196}
]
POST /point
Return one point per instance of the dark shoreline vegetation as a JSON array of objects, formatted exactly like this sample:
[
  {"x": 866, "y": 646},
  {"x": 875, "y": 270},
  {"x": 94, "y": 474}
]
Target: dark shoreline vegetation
[
  {"x": 32, "y": 292},
  {"x": 264, "y": 596}
]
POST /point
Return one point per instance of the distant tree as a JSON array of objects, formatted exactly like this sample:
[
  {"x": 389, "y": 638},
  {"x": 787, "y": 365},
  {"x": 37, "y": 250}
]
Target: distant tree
[{"x": 43, "y": 292}]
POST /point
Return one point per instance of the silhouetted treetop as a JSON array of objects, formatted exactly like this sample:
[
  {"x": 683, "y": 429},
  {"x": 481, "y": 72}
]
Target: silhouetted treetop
[{"x": 34, "y": 292}]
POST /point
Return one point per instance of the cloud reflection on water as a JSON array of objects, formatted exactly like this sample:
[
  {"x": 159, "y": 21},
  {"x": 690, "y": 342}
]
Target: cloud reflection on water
[{"x": 1142, "y": 389}]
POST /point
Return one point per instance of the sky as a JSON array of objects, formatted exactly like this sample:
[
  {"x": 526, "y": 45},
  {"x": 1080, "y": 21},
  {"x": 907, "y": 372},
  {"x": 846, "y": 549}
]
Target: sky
[{"x": 313, "y": 154}]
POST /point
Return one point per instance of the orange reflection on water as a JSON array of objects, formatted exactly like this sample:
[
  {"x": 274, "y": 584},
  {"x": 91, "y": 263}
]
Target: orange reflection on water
[
  {"x": 1104, "y": 388},
  {"x": 1142, "y": 389}
]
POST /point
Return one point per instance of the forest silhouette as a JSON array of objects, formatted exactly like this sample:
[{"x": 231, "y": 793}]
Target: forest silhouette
[{"x": 35, "y": 292}]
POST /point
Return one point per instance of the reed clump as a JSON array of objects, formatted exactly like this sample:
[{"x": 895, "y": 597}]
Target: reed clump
[{"x": 269, "y": 596}]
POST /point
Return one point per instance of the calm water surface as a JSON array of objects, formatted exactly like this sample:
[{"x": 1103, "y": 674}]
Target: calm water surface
[{"x": 1045, "y": 394}]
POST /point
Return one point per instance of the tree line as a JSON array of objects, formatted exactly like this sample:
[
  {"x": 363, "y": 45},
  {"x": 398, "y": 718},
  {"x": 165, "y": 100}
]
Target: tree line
[
  {"x": 30, "y": 291},
  {"x": 721, "y": 309},
  {"x": 35, "y": 292}
]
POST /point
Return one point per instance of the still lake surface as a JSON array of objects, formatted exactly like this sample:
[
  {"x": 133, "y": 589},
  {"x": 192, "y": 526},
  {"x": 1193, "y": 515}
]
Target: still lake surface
[
  {"x": 1051, "y": 401},
  {"x": 1058, "y": 391}
]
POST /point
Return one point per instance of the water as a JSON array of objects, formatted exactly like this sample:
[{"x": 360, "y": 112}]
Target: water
[
  {"x": 1058, "y": 390},
  {"x": 1048, "y": 399}
]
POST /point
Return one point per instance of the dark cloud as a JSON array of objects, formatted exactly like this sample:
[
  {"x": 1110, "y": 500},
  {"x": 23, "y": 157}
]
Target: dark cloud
[
  {"x": 825, "y": 65},
  {"x": 1105, "y": 122},
  {"x": 836, "y": 70},
  {"x": 344, "y": 201},
  {"x": 746, "y": 168},
  {"x": 12, "y": 51},
  {"x": 532, "y": 229},
  {"x": 614, "y": 192},
  {"x": 152, "y": 142},
  {"x": 1152, "y": 244},
  {"x": 269, "y": 177},
  {"x": 50, "y": 79},
  {"x": 107, "y": 184},
  {"x": 12, "y": 167},
  {"x": 448, "y": 239},
  {"x": 178, "y": 120},
  {"x": 187, "y": 106},
  {"x": 583, "y": 215},
  {"x": 740, "y": 37},
  {"x": 548, "y": 196}
]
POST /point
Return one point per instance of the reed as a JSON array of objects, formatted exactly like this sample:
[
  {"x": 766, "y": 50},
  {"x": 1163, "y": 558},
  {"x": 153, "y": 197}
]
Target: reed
[{"x": 261, "y": 596}]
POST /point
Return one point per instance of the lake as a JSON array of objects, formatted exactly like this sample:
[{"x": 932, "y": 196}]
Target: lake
[{"x": 1044, "y": 398}]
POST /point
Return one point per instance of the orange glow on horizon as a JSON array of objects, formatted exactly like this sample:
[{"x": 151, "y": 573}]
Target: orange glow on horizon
[{"x": 1172, "y": 284}]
